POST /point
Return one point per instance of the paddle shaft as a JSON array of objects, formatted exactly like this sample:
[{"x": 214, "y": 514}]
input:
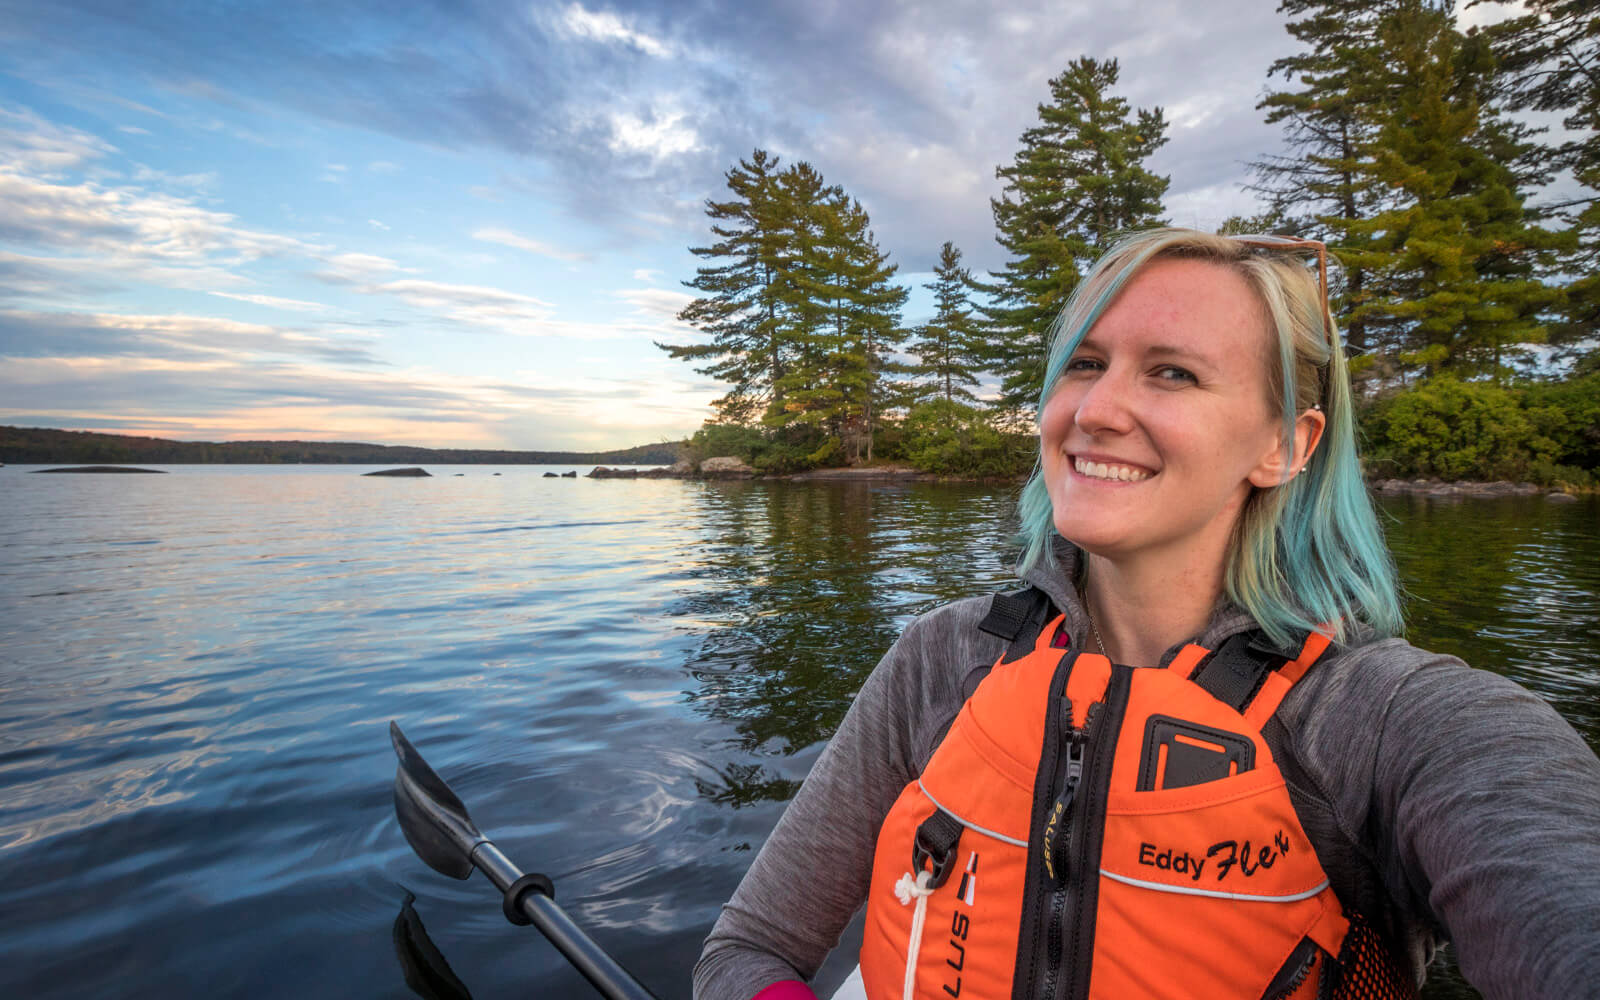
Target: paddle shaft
[{"x": 611, "y": 979}]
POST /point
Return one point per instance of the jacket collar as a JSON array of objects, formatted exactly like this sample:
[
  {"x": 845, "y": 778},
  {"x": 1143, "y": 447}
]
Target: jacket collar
[{"x": 1055, "y": 576}]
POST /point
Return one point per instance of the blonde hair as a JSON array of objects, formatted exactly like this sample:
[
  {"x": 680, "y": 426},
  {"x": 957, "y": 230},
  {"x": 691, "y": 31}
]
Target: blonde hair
[{"x": 1307, "y": 552}]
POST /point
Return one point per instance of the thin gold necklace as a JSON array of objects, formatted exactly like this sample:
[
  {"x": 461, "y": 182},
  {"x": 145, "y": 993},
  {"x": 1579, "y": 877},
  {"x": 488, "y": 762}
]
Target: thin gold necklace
[{"x": 1094, "y": 629}]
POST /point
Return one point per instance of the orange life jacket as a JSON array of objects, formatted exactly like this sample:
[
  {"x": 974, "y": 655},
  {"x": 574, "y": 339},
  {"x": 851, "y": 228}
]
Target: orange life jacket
[{"x": 1091, "y": 831}]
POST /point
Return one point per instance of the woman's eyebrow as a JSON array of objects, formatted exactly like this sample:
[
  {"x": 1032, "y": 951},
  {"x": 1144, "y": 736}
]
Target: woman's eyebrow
[{"x": 1174, "y": 351}]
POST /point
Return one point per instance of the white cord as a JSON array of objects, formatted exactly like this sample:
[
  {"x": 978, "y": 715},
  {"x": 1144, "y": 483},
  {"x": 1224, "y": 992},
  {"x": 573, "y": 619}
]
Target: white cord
[{"x": 905, "y": 890}]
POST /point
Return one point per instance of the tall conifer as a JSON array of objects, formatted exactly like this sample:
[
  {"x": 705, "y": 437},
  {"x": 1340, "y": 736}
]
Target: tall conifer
[
  {"x": 1330, "y": 113},
  {"x": 1550, "y": 61},
  {"x": 1455, "y": 259},
  {"x": 741, "y": 304},
  {"x": 945, "y": 345},
  {"x": 1078, "y": 180},
  {"x": 843, "y": 311}
]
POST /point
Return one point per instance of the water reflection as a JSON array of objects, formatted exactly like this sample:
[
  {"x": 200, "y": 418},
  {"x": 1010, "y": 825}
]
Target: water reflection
[
  {"x": 192, "y": 727},
  {"x": 803, "y": 588},
  {"x": 1509, "y": 585}
]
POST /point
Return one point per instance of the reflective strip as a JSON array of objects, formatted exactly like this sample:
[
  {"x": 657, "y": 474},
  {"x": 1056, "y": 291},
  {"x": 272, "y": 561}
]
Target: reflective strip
[
  {"x": 1214, "y": 893},
  {"x": 970, "y": 826}
]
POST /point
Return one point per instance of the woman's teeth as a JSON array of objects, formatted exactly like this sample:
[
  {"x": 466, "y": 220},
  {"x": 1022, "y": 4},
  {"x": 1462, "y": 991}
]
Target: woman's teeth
[{"x": 1099, "y": 470}]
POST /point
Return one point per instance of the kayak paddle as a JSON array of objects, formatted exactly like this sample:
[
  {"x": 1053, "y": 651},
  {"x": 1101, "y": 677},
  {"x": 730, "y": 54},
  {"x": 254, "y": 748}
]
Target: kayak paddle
[{"x": 438, "y": 828}]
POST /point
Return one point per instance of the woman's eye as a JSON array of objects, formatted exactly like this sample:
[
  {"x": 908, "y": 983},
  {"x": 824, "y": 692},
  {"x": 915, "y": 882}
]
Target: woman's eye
[
  {"x": 1176, "y": 375},
  {"x": 1082, "y": 364}
]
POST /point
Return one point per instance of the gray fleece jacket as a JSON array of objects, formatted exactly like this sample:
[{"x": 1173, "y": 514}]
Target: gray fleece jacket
[{"x": 1443, "y": 802}]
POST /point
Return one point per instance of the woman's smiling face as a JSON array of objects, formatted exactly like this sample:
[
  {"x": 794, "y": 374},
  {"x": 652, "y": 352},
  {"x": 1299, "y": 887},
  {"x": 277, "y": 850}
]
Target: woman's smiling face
[{"x": 1159, "y": 425}]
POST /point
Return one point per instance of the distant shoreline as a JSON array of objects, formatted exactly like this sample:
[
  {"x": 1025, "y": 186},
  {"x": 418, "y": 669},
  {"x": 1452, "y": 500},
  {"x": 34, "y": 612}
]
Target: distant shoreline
[{"x": 47, "y": 446}]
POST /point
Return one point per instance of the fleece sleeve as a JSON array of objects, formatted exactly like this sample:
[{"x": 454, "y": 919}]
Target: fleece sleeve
[
  {"x": 1492, "y": 806},
  {"x": 812, "y": 873}
]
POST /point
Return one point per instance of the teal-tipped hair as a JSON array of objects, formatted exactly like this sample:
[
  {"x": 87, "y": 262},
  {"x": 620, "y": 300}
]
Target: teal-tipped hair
[{"x": 1307, "y": 552}]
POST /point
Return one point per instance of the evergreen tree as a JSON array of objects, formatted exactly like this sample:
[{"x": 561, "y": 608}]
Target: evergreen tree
[
  {"x": 1550, "y": 62},
  {"x": 1320, "y": 187},
  {"x": 845, "y": 317},
  {"x": 1078, "y": 179},
  {"x": 742, "y": 300},
  {"x": 1455, "y": 259},
  {"x": 945, "y": 344}
]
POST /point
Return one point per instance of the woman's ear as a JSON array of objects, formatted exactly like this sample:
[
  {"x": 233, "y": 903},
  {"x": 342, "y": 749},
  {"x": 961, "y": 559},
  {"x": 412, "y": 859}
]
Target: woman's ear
[{"x": 1274, "y": 470}]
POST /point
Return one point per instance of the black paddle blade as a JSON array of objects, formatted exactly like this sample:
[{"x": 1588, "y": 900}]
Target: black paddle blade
[{"x": 433, "y": 819}]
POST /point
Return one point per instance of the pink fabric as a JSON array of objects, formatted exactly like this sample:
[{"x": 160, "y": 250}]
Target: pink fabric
[{"x": 788, "y": 989}]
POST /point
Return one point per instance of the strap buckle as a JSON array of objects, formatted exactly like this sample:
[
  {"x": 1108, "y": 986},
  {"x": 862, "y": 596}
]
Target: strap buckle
[{"x": 935, "y": 845}]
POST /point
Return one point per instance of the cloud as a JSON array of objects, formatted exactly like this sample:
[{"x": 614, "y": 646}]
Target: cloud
[
  {"x": 163, "y": 339},
  {"x": 199, "y": 182},
  {"x": 127, "y": 234},
  {"x": 215, "y": 399},
  {"x": 274, "y": 302},
  {"x": 476, "y": 304},
  {"x": 29, "y": 144},
  {"x": 505, "y": 237},
  {"x": 660, "y": 303},
  {"x": 605, "y": 26},
  {"x": 354, "y": 268},
  {"x": 659, "y": 137}
]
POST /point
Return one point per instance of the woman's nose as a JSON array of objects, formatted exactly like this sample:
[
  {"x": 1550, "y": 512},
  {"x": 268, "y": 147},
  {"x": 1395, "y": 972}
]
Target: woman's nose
[{"x": 1105, "y": 407}]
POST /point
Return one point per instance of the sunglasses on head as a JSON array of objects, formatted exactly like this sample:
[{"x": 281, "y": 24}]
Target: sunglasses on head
[{"x": 1292, "y": 244}]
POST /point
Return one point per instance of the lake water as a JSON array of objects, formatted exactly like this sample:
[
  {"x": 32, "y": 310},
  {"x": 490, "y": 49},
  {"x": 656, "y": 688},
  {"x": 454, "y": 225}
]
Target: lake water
[{"x": 624, "y": 680}]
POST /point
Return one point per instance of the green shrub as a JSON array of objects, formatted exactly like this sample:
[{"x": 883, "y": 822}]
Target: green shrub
[
  {"x": 1569, "y": 413},
  {"x": 954, "y": 439},
  {"x": 1458, "y": 430},
  {"x": 788, "y": 449},
  {"x": 714, "y": 440}
]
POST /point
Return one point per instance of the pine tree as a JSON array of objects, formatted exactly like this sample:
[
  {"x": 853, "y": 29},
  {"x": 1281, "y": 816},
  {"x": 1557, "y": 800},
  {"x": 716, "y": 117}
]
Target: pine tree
[
  {"x": 1550, "y": 62},
  {"x": 1078, "y": 179},
  {"x": 1455, "y": 260},
  {"x": 946, "y": 343},
  {"x": 742, "y": 302},
  {"x": 843, "y": 315},
  {"x": 1320, "y": 187}
]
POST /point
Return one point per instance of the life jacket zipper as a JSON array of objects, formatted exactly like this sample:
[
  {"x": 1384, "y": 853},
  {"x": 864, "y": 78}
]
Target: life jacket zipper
[
  {"x": 1069, "y": 976},
  {"x": 1064, "y": 822},
  {"x": 1057, "y": 834}
]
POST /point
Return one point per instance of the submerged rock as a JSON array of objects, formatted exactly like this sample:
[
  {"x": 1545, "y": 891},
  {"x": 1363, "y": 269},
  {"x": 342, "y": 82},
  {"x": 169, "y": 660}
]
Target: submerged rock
[
  {"x": 105, "y": 468},
  {"x": 413, "y": 471},
  {"x": 551, "y": 475}
]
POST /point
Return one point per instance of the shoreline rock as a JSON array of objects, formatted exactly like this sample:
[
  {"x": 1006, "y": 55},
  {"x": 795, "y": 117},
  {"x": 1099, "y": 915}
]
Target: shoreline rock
[
  {"x": 734, "y": 468},
  {"x": 412, "y": 471},
  {"x": 1460, "y": 488}
]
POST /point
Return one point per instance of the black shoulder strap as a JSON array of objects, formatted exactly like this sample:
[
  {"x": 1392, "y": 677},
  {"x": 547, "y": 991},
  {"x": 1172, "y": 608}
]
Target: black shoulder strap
[
  {"x": 1235, "y": 672},
  {"x": 1018, "y": 618}
]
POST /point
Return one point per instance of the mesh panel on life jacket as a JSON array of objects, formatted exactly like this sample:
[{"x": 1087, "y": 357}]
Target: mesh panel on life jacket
[{"x": 1367, "y": 969}]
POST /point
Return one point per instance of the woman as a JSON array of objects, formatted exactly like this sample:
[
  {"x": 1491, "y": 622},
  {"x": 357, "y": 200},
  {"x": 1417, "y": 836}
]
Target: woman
[{"x": 1298, "y": 805}]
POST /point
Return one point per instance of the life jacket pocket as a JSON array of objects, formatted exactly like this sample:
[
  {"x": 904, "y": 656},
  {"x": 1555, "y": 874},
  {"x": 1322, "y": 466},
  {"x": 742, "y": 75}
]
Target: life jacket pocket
[
  {"x": 965, "y": 942},
  {"x": 1220, "y": 883}
]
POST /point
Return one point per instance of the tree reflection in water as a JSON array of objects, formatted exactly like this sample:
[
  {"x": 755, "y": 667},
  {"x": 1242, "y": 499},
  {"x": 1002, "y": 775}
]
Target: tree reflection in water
[{"x": 805, "y": 586}]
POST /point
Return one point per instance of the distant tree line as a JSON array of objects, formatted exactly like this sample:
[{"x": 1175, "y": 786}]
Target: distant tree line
[
  {"x": 1401, "y": 154},
  {"x": 37, "y": 445}
]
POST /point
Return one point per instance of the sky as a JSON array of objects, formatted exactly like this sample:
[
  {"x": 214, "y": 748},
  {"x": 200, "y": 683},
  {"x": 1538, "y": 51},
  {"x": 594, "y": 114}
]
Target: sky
[{"x": 467, "y": 224}]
